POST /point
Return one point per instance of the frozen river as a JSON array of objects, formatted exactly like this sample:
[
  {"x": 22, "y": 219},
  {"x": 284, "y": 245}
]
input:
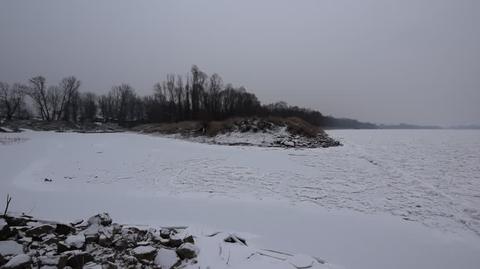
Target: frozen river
[
  {"x": 430, "y": 176},
  {"x": 423, "y": 181}
]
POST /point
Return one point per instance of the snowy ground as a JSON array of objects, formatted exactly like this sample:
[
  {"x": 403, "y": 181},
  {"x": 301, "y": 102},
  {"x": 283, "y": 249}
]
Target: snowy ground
[{"x": 386, "y": 199}]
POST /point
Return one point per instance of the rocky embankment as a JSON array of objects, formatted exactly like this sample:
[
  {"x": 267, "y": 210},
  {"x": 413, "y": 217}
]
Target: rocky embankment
[
  {"x": 93, "y": 243},
  {"x": 97, "y": 242},
  {"x": 289, "y": 133},
  {"x": 255, "y": 131}
]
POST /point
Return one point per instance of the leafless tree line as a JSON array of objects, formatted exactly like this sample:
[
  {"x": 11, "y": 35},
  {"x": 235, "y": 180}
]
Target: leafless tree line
[
  {"x": 198, "y": 97},
  {"x": 195, "y": 96},
  {"x": 11, "y": 99},
  {"x": 55, "y": 102}
]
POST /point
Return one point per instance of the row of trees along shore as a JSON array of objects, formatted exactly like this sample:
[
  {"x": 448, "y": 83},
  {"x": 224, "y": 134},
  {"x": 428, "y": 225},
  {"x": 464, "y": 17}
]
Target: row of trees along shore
[{"x": 196, "y": 96}]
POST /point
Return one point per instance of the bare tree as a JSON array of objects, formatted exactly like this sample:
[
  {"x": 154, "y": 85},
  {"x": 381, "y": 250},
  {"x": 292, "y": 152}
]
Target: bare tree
[
  {"x": 38, "y": 92},
  {"x": 198, "y": 85},
  {"x": 68, "y": 105},
  {"x": 179, "y": 94},
  {"x": 170, "y": 87},
  {"x": 88, "y": 106},
  {"x": 121, "y": 104},
  {"x": 11, "y": 98},
  {"x": 215, "y": 86},
  {"x": 159, "y": 92},
  {"x": 106, "y": 106},
  {"x": 54, "y": 101}
]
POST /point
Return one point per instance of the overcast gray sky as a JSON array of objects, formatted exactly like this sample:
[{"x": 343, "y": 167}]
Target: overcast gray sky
[{"x": 384, "y": 61}]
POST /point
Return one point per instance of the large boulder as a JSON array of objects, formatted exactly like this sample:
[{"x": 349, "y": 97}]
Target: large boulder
[
  {"x": 58, "y": 261},
  {"x": 21, "y": 261},
  {"x": 120, "y": 244},
  {"x": 10, "y": 247},
  {"x": 189, "y": 239},
  {"x": 62, "y": 247},
  {"x": 64, "y": 229},
  {"x": 187, "y": 251},
  {"x": 48, "y": 239},
  {"x": 175, "y": 241},
  {"x": 166, "y": 258},
  {"x": 144, "y": 252},
  {"x": 100, "y": 219},
  {"x": 17, "y": 221},
  {"x": 40, "y": 230},
  {"x": 77, "y": 259},
  {"x": 92, "y": 265},
  {"x": 109, "y": 265},
  {"x": 75, "y": 241},
  {"x": 2, "y": 260},
  {"x": 165, "y": 233},
  {"x": 5, "y": 231},
  {"x": 104, "y": 240}
]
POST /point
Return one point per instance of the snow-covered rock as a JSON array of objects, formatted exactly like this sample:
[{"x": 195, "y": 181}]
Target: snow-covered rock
[
  {"x": 18, "y": 262},
  {"x": 166, "y": 258},
  {"x": 92, "y": 265},
  {"x": 134, "y": 247},
  {"x": 3, "y": 224},
  {"x": 187, "y": 251},
  {"x": 56, "y": 261},
  {"x": 40, "y": 230},
  {"x": 288, "y": 143},
  {"x": 100, "y": 219},
  {"x": 64, "y": 229},
  {"x": 10, "y": 247},
  {"x": 75, "y": 241},
  {"x": 77, "y": 259},
  {"x": 5, "y": 130},
  {"x": 144, "y": 252},
  {"x": 165, "y": 233},
  {"x": 4, "y": 230}
]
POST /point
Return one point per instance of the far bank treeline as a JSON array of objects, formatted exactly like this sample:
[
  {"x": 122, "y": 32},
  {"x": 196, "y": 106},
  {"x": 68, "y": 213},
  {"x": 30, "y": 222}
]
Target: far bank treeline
[{"x": 196, "y": 96}]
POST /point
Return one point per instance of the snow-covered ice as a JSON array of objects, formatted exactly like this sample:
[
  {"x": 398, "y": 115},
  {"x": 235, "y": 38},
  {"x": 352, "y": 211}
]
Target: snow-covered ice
[{"x": 386, "y": 199}]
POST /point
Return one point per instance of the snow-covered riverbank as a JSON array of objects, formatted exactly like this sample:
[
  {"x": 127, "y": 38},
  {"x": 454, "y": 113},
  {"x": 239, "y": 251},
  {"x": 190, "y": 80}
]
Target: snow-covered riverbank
[{"x": 386, "y": 199}]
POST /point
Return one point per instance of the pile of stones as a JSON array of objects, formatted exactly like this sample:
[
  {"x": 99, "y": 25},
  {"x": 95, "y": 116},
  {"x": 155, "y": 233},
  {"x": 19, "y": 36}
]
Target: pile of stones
[
  {"x": 291, "y": 139},
  {"x": 26, "y": 242},
  {"x": 322, "y": 140}
]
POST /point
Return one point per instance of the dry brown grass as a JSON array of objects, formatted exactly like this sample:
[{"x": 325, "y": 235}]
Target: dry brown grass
[
  {"x": 170, "y": 128},
  {"x": 298, "y": 126},
  {"x": 216, "y": 127},
  {"x": 294, "y": 125}
]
